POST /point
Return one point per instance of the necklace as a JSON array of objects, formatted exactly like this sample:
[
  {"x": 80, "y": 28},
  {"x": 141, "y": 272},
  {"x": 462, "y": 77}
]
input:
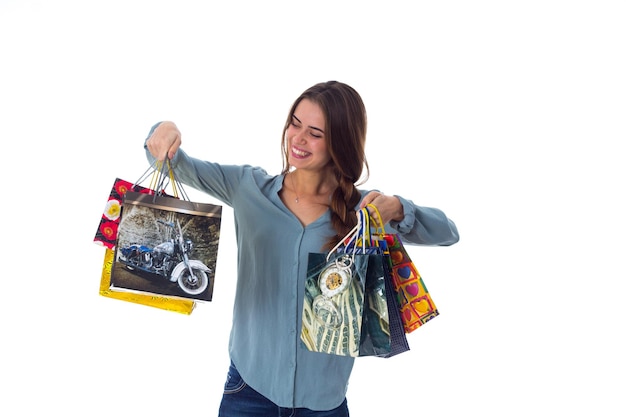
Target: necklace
[{"x": 293, "y": 184}]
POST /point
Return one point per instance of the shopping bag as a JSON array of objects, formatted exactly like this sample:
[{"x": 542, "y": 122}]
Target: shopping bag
[
  {"x": 106, "y": 234},
  {"x": 166, "y": 247},
  {"x": 413, "y": 299},
  {"x": 333, "y": 303},
  {"x": 382, "y": 332},
  {"x": 164, "y": 303},
  {"x": 416, "y": 304},
  {"x": 346, "y": 309}
]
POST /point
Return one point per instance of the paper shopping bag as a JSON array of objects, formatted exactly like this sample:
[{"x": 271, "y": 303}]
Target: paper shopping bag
[
  {"x": 382, "y": 331},
  {"x": 164, "y": 303},
  {"x": 416, "y": 304},
  {"x": 333, "y": 303},
  {"x": 106, "y": 234},
  {"x": 349, "y": 303},
  {"x": 166, "y": 247}
]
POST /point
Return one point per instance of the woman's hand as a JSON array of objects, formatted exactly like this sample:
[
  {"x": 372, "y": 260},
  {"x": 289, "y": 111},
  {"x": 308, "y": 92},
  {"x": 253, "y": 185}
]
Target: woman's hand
[
  {"x": 389, "y": 207},
  {"x": 164, "y": 141}
]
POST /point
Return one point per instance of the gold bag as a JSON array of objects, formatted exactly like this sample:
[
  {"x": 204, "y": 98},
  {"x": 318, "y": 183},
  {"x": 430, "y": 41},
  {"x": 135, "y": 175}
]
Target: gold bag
[{"x": 157, "y": 301}]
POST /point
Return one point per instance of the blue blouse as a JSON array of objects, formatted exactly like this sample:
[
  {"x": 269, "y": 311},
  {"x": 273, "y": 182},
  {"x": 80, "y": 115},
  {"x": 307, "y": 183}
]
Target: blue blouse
[{"x": 273, "y": 249}]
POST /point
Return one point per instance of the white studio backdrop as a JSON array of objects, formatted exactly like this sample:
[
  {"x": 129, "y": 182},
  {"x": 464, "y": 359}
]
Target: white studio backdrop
[{"x": 509, "y": 116}]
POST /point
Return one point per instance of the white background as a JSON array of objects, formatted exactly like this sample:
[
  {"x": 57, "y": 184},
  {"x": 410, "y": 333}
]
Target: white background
[{"x": 508, "y": 115}]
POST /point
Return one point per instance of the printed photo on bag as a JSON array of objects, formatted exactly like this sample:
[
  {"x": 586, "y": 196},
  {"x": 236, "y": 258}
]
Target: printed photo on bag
[
  {"x": 333, "y": 303},
  {"x": 166, "y": 246}
]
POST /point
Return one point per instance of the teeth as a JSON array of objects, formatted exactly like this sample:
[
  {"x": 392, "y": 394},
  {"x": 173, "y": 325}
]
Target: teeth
[{"x": 299, "y": 152}]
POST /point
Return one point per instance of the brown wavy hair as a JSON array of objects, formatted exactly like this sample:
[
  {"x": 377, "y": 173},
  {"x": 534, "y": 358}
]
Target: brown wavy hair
[{"x": 346, "y": 128}]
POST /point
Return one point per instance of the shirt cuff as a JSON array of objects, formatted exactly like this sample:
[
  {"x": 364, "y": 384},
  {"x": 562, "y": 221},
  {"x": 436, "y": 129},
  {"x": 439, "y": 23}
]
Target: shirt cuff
[{"x": 406, "y": 224}]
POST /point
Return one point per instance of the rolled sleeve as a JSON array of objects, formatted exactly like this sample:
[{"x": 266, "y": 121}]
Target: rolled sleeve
[{"x": 425, "y": 225}]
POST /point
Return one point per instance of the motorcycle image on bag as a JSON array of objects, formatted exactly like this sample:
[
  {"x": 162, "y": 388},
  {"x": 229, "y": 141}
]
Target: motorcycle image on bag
[{"x": 170, "y": 260}]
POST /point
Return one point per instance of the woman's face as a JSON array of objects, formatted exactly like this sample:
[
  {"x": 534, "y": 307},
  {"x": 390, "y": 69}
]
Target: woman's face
[{"x": 306, "y": 137}]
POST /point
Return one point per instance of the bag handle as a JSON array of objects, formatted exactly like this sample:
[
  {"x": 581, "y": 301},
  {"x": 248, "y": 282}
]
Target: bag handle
[
  {"x": 176, "y": 184},
  {"x": 360, "y": 236},
  {"x": 162, "y": 176},
  {"x": 151, "y": 170},
  {"x": 157, "y": 182},
  {"x": 353, "y": 238},
  {"x": 378, "y": 223}
]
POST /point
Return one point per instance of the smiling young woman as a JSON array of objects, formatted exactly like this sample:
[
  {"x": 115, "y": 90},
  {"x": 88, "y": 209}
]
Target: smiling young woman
[
  {"x": 324, "y": 151},
  {"x": 310, "y": 179},
  {"x": 279, "y": 220}
]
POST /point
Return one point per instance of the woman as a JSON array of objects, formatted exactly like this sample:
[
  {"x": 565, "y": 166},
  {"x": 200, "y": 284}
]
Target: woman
[{"x": 279, "y": 220}]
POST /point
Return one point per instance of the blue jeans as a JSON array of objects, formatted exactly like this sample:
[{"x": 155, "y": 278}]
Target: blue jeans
[{"x": 239, "y": 400}]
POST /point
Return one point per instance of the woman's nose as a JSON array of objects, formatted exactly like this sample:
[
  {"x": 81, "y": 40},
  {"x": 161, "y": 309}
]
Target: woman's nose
[{"x": 299, "y": 137}]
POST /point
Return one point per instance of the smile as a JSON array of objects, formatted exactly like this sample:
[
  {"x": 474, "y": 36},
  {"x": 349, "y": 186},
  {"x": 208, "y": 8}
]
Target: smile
[{"x": 299, "y": 153}]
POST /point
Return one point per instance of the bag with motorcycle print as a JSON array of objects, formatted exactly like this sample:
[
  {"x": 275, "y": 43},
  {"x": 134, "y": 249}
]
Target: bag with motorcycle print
[
  {"x": 166, "y": 247},
  {"x": 107, "y": 236}
]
